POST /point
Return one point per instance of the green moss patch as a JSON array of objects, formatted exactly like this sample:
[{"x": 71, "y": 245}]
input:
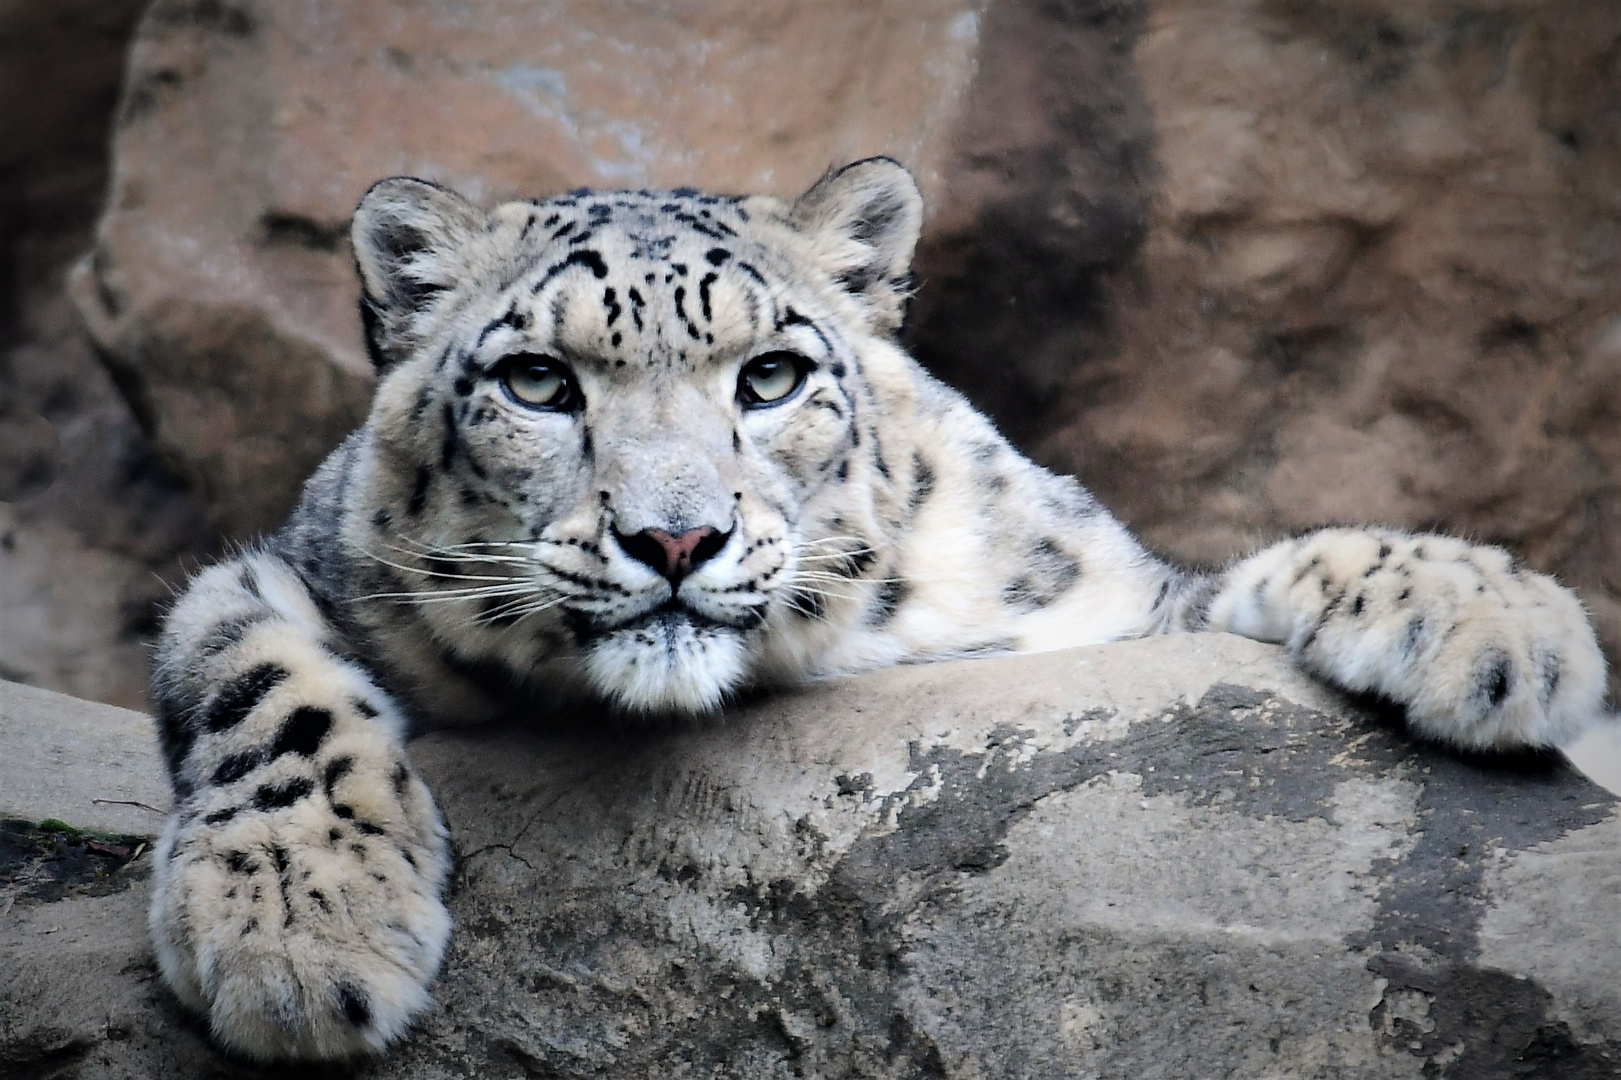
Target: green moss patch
[{"x": 52, "y": 860}]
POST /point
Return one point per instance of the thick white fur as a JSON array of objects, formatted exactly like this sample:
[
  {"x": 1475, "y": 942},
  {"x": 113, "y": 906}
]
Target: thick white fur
[
  {"x": 269, "y": 952},
  {"x": 476, "y": 556},
  {"x": 1436, "y": 616}
]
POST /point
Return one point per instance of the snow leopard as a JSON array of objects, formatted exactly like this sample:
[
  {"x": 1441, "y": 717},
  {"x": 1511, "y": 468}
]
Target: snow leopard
[{"x": 646, "y": 451}]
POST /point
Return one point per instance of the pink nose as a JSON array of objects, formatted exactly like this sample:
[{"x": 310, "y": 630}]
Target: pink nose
[{"x": 673, "y": 556}]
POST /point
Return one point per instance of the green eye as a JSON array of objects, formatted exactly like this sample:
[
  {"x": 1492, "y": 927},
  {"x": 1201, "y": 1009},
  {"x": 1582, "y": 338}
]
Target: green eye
[
  {"x": 539, "y": 382},
  {"x": 771, "y": 379}
]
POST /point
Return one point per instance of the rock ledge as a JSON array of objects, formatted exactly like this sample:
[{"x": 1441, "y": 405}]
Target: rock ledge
[{"x": 1167, "y": 858}]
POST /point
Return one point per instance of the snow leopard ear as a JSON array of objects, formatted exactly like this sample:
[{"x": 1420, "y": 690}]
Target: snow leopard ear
[
  {"x": 409, "y": 239},
  {"x": 863, "y": 221}
]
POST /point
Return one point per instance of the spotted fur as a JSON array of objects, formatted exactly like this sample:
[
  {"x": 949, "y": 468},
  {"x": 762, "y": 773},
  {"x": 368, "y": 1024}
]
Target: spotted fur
[{"x": 663, "y": 543}]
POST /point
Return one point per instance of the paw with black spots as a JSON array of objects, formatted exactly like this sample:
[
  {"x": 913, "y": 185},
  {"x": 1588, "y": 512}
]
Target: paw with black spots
[
  {"x": 311, "y": 929},
  {"x": 1483, "y": 654}
]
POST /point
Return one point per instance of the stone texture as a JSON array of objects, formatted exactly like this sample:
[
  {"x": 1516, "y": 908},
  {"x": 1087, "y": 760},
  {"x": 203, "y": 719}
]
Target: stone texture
[
  {"x": 91, "y": 765},
  {"x": 1167, "y": 858},
  {"x": 85, "y": 548},
  {"x": 1380, "y": 279}
]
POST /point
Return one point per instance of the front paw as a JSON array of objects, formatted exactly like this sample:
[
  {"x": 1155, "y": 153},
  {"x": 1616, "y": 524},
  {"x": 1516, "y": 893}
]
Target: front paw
[
  {"x": 1482, "y": 653},
  {"x": 300, "y": 933}
]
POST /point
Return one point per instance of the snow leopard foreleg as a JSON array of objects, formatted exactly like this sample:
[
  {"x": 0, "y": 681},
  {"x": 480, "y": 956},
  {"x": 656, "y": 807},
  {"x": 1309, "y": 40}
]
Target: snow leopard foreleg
[
  {"x": 297, "y": 896},
  {"x": 1481, "y": 652}
]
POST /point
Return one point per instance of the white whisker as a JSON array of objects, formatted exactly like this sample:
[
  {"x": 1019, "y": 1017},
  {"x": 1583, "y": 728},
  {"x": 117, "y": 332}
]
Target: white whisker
[
  {"x": 434, "y": 573},
  {"x": 461, "y": 557},
  {"x": 812, "y": 590},
  {"x": 449, "y": 555},
  {"x": 516, "y": 611},
  {"x": 823, "y": 575},
  {"x": 474, "y": 544},
  {"x": 842, "y": 556},
  {"x": 438, "y": 596}
]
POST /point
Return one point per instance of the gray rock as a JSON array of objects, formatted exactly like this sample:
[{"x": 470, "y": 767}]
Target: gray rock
[
  {"x": 1170, "y": 858},
  {"x": 91, "y": 524},
  {"x": 91, "y": 765}
]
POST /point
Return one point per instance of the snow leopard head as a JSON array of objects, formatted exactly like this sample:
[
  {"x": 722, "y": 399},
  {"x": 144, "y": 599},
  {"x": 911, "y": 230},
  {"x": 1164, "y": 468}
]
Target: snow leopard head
[{"x": 640, "y": 430}]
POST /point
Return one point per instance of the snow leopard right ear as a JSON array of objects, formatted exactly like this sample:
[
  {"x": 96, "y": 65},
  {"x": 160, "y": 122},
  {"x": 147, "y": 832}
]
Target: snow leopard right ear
[
  {"x": 863, "y": 222},
  {"x": 409, "y": 239}
]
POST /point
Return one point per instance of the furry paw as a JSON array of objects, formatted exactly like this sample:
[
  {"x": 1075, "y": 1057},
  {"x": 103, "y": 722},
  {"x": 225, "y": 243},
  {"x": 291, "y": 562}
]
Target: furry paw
[
  {"x": 303, "y": 927},
  {"x": 1483, "y": 654}
]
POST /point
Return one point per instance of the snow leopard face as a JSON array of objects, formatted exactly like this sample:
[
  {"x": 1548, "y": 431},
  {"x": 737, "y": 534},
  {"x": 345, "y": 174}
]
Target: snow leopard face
[{"x": 634, "y": 429}]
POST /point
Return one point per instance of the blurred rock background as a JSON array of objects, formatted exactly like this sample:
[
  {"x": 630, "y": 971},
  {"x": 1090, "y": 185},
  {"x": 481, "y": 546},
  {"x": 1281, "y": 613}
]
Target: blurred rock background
[
  {"x": 85, "y": 551},
  {"x": 1245, "y": 266}
]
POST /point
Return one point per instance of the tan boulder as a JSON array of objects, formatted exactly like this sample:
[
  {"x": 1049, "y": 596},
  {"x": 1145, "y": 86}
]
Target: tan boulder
[{"x": 1381, "y": 280}]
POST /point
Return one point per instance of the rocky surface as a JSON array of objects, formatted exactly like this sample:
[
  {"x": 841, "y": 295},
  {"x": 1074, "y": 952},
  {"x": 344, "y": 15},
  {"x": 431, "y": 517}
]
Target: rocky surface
[
  {"x": 92, "y": 524},
  {"x": 1161, "y": 859},
  {"x": 1380, "y": 279}
]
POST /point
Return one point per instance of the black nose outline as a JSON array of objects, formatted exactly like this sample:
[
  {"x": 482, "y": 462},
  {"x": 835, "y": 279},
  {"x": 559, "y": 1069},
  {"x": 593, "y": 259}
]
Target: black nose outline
[{"x": 673, "y": 556}]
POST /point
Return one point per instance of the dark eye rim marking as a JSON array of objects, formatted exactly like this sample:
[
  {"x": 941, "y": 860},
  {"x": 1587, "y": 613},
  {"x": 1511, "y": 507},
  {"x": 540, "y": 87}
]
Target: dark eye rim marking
[
  {"x": 568, "y": 399},
  {"x": 750, "y": 401}
]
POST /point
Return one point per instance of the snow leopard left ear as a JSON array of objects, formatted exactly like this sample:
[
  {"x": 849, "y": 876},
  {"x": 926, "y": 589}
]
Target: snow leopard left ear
[
  {"x": 863, "y": 221},
  {"x": 410, "y": 240}
]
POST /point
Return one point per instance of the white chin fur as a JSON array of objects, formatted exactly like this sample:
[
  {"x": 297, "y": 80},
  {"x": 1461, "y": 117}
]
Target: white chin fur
[{"x": 666, "y": 666}]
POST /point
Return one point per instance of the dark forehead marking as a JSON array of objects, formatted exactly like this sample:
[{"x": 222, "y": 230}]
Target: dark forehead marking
[
  {"x": 765, "y": 289},
  {"x": 644, "y": 246},
  {"x": 703, "y": 295},
  {"x": 754, "y": 297},
  {"x": 681, "y": 312},
  {"x": 715, "y": 230},
  {"x": 636, "y": 211},
  {"x": 581, "y": 257}
]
